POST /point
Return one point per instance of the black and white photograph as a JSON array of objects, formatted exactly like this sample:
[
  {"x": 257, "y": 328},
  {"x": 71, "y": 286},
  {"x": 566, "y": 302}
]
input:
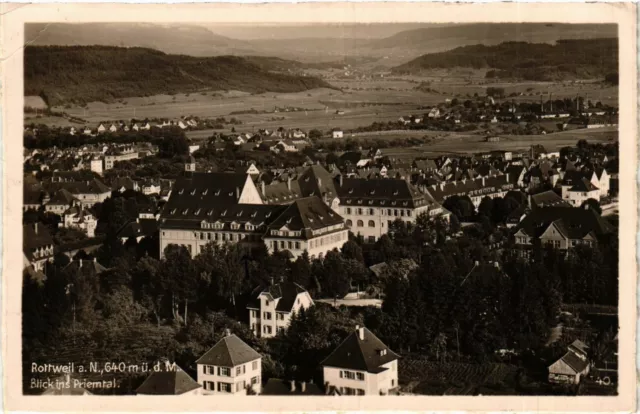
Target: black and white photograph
[{"x": 321, "y": 209}]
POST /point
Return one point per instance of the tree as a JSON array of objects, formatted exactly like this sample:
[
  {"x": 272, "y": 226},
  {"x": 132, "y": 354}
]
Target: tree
[
  {"x": 315, "y": 134},
  {"x": 223, "y": 267},
  {"x": 179, "y": 274},
  {"x": 592, "y": 204},
  {"x": 351, "y": 250}
]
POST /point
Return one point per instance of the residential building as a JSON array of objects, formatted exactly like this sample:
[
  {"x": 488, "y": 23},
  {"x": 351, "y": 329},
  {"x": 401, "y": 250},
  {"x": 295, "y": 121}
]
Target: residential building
[
  {"x": 576, "y": 189},
  {"x": 561, "y": 227},
  {"x": 271, "y": 310},
  {"x": 169, "y": 379},
  {"x": 369, "y": 206},
  {"x": 80, "y": 218},
  {"x": 476, "y": 189},
  {"x": 61, "y": 201},
  {"x": 309, "y": 225},
  {"x": 547, "y": 199},
  {"x": 96, "y": 166},
  {"x": 119, "y": 154},
  {"x": 231, "y": 367},
  {"x": 37, "y": 245},
  {"x": 362, "y": 365},
  {"x": 337, "y": 133},
  {"x": 227, "y": 207},
  {"x": 573, "y": 365}
]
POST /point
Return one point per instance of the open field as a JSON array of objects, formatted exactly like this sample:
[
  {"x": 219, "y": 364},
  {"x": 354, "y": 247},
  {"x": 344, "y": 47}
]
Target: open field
[{"x": 363, "y": 101}]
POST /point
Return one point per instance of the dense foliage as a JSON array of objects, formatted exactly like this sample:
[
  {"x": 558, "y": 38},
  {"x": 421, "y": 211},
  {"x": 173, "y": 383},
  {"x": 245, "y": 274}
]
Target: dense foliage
[
  {"x": 83, "y": 74},
  {"x": 567, "y": 59}
]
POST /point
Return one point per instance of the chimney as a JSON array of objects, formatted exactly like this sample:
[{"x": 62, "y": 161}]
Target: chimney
[
  {"x": 319, "y": 182},
  {"x": 341, "y": 180},
  {"x": 237, "y": 192},
  {"x": 35, "y": 228},
  {"x": 361, "y": 333},
  {"x": 496, "y": 265},
  {"x": 227, "y": 332},
  {"x": 477, "y": 263},
  {"x": 95, "y": 260},
  {"x": 303, "y": 386},
  {"x": 483, "y": 181},
  {"x": 289, "y": 183},
  {"x": 293, "y": 386},
  {"x": 80, "y": 263},
  {"x": 272, "y": 280},
  {"x": 263, "y": 188}
]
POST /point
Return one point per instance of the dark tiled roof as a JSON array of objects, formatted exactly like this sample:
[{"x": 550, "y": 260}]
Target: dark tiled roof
[
  {"x": 168, "y": 382},
  {"x": 575, "y": 362},
  {"x": 62, "y": 197},
  {"x": 93, "y": 186},
  {"x": 286, "y": 292},
  {"x": 35, "y": 236},
  {"x": 306, "y": 215},
  {"x": 548, "y": 199},
  {"x": 257, "y": 215},
  {"x": 575, "y": 223},
  {"x": 583, "y": 185},
  {"x": 362, "y": 355},
  {"x": 276, "y": 386},
  {"x": 230, "y": 351},
  {"x": 385, "y": 192},
  {"x": 471, "y": 187},
  {"x": 206, "y": 191},
  {"x": 317, "y": 181}
]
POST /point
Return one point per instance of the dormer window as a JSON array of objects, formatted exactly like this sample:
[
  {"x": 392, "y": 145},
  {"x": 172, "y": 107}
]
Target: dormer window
[
  {"x": 181, "y": 191},
  {"x": 205, "y": 192},
  {"x": 395, "y": 192},
  {"x": 254, "y": 214},
  {"x": 193, "y": 192},
  {"x": 185, "y": 211},
  {"x": 210, "y": 212},
  {"x": 197, "y": 212},
  {"x": 218, "y": 192},
  {"x": 173, "y": 211}
]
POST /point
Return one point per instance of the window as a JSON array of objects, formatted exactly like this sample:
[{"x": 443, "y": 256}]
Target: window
[
  {"x": 240, "y": 370},
  {"x": 209, "y": 369},
  {"x": 298, "y": 245},
  {"x": 360, "y": 376},
  {"x": 290, "y": 245},
  {"x": 267, "y": 329},
  {"x": 359, "y": 391},
  {"x": 395, "y": 213},
  {"x": 372, "y": 223},
  {"x": 359, "y": 211},
  {"x": 349, "y": 223},
  {"x": 254, "y": 314},
  {"x": 266, "y": 315},
  {"x": 280, "y": 316},
  {"x": 347, "y": 374},
  {"x": 224, "y": 387},
  {"x": 408, "y": 213},
  {"x": 371, "y": 212},
  {"x": 348, "y": 210},
  {"x": 360, "y": 223},
  {"x": 254, "y": 366},
  {"x": 393, "y": 382},
  {"x": 255, "y": 380},
  {"x": 224, "y": 372},
  {"x": 280, "y": 330},
  {"x": 209, "y": 385}
]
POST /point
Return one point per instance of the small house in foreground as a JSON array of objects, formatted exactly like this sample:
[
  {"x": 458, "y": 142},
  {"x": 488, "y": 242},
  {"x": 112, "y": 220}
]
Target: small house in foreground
[
  {"x": 572, "y": 366},
  {"x": 170, "y": 379}
]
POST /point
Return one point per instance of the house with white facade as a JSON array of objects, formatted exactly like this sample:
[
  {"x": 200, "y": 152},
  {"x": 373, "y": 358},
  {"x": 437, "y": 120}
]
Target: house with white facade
[
  {"x": 572, "y": 367},
  {"x": 361, "y": 365},
  {"x": 230, "y": 367},
  {"x": 576, "y": 189},
  {"x": 271, "y": 310},
  {"x": 79, "y": 218}
]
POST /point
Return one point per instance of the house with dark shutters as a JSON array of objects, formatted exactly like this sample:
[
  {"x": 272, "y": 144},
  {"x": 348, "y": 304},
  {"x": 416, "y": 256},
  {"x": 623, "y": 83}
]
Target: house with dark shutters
[
  {"x": 361, "y": 365},
  {"x": 271, "y": 308},
  {"x": 230, "y": 367}
]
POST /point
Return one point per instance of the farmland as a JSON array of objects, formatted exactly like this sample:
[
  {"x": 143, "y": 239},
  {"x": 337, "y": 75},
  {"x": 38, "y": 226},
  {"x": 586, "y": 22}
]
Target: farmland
[{"x": 421, "y": 376}]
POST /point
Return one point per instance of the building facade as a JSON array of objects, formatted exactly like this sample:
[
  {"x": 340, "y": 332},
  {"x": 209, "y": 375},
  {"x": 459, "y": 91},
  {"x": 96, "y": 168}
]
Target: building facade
[{"x": 271, "y": 311}]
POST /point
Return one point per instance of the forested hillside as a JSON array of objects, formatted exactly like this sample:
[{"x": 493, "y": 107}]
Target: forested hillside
[
  {"x": 82, "y": 74},
  {"x": 588, "y": 58}
]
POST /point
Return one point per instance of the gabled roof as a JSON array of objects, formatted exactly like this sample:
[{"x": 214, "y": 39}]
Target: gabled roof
[
  {"x": 168, "y": 382},
  {"x": 62, "y": 197},
  {"x": 317, "y": 181},
  {"x": 230, "y": 351},
  {"x": 35, "y": 236},
  {"x": 387, "y": 192},
  {"x": 583, "y": 185},
  {"x": 548, "y": 199},
  {"x": 576, "y": 223},
  {"x": 361, "y": 354},
  {"x": 285, "y": 291},
  {"x": 306, "y": 215}
]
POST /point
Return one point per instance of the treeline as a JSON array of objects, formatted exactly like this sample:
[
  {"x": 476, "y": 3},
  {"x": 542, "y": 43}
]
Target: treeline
[
  {"x": 580, "y": 58},
  {"x": 81, "y": 74}
]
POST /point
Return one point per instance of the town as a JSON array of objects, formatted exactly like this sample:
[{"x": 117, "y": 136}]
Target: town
[{"x": 464, "y": 246}]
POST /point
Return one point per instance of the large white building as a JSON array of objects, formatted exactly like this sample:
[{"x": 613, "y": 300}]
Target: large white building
[
  {"x": 231, "y": 367},
  {"x": 271, "y": 310},
  {"x": 361, "y": 365},
  {"x": 227, "y": 207},
  {"x": 369, "y": 206}
]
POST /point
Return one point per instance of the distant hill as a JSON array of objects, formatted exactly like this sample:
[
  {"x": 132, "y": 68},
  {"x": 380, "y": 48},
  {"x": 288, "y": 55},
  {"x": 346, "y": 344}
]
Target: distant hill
[
  {"x": 83, "y": 74},
  {"x": 567, "y": 59},
  {"x": 181, "y": 40}
]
